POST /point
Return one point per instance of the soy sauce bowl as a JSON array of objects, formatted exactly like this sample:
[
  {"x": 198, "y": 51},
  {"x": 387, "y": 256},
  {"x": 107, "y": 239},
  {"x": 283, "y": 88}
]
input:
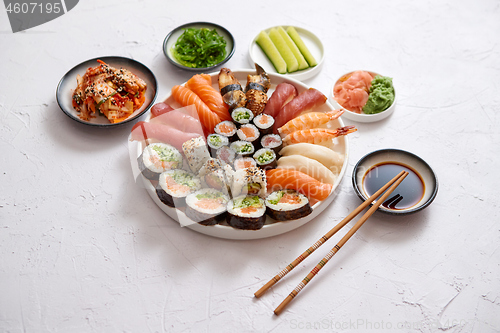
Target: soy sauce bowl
[
  {"x": 172, "y": 37},
  {"x": 398, "y": 160}
]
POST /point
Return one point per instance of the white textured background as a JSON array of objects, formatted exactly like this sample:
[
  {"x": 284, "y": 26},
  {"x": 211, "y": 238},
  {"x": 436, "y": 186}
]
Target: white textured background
[{"x": 84, "y": 249}]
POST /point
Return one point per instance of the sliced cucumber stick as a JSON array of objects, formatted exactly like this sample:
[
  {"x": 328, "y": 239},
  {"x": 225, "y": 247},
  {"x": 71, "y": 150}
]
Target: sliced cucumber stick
[
  {"x": 291, "y": 62},
  {"x": 302, "y": 47},
  {"x": 271, "y": 52},
  {"x": 293, "y": 47}
]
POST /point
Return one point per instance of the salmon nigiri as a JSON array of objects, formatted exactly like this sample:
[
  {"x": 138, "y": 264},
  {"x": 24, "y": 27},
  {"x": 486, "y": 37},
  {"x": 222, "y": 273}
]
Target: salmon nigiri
[
  {"x": 309, "y": 120},
  {"x": 186, "y": 97},
  {"x": 201, "y": 85},
  {"x": 317, "y": 135},
  {"x": 298, "y": 181}
]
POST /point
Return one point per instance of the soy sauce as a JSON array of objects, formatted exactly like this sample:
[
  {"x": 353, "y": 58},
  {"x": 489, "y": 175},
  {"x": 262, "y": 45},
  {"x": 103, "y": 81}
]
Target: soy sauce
[{"x": 406, "y": 195}]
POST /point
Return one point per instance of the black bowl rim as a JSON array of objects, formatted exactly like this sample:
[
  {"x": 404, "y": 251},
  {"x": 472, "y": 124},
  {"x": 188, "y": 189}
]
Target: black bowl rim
[
  {"x": 201, "y": 69},
  {"x": 387, "y": 211},
  {"x": 146, "y": 68}
]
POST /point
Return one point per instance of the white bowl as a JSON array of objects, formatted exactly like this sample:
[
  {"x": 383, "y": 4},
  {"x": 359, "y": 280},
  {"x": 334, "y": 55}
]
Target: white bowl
[
  {"x": 313, "y": 43},
  {"x": 361, "y": 117}
]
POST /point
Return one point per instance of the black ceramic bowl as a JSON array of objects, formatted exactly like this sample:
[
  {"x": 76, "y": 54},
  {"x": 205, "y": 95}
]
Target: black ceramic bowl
[
  {"x": 68, "y": 84},
  {"x": 172, "y": 37},
  {"x": 364, "y": 174}
]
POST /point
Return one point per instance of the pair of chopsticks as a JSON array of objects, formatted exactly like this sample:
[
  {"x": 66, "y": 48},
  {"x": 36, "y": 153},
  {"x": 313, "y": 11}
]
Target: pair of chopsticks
[{"x": 394, "y": 182}]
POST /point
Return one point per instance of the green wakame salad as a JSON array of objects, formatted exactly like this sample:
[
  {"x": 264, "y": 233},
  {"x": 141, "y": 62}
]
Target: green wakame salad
[{"x": 199, "y": 48}]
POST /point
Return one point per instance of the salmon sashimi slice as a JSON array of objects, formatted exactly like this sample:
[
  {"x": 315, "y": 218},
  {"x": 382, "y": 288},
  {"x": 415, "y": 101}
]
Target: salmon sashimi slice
[
  {"x": 201, "y": 85},
  {"x": 305, "y": 101},
  {"x": 283, "y": 94},
  {"x": 309, "y": 120},
  {"x": 143, "y": 131},
  {"x": 317, "y": 135},
  {"x": 278, "y": 179},
  {"x": 186, "y": 97}
]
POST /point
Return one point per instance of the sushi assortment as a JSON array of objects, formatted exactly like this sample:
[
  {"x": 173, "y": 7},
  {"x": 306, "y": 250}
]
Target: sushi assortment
[{"x": 238, "y": 157}]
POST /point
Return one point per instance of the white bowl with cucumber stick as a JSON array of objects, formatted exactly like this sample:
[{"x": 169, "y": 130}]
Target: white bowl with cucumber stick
[{"x": 291, "y": 51}]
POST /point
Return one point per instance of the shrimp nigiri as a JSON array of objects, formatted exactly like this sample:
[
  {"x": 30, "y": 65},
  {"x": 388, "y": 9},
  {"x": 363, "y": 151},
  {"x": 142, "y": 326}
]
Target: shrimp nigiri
[
  {"x": 186, "y": 97},
  {"x": 317, "y": 135},
  {"x": 298, "y": 181},
  {"x": 309, "y": 120},
  {"x": 201, "y": 85}
]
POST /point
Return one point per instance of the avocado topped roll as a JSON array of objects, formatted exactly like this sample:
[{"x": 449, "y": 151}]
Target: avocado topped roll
[
  {"x": 246, "y": 212},
  {"x": 175, "y": 185},
  {"x": 157, "y": 158},
  {"x": 206, "y": 206},
  {"x": 284, "y": 205}
]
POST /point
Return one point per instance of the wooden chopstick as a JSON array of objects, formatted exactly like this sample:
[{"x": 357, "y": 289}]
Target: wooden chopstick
[
  {"x": 337, "y": 247},
  {"x": 327, "y": 236}
]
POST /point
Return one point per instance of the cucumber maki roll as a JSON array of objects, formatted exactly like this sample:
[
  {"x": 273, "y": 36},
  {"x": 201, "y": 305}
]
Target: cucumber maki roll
[
  {"x": 215, "y": 142},
  {"x": 242, "y": 148},
  {"x": 284, "y": 205},
  {"x": 246, "y": 212},
  {"x": 242, "y": 116},
  {"x": 157, "y": 158},
  {"x": 174, "y": 185},
  {"x": 206, "y": 206},
  {"x": 265, "y": 158}
]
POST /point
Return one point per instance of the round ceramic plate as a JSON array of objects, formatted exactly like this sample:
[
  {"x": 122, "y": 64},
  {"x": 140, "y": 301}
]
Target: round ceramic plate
[
  {"x": 362, "y": 117},
  {"x": 172, "y": 37},
  {"x": 68, "y": 84},
  {"x": 271, "y": 228},
  {"x": 313, "y": 43}
]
